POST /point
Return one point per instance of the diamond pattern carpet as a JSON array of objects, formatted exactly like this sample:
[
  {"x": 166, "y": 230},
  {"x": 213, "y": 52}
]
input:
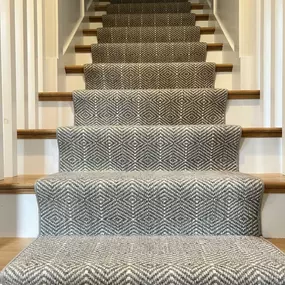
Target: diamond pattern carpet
[
  {"x": 147, "y": 8},
  {"x": 149, "y": 190},
  {"x": 149, "y": 203},
  {"x": 150, "y": 75},
  {"x": 150, "y": 107},
  {"x": 144, "y": 20},
  {"x": 149, "y": 52},
  {"x": 148, "y": 34},
  {"x": 130, "y": 148},
  {"x": 148, "y": 260}
]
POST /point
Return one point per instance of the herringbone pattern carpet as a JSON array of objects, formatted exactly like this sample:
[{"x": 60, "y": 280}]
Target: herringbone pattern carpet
[
  {"x": 144, "y": 20},
  {"x": 149, "y": 191},
  {"x": 149, "y": 52}
]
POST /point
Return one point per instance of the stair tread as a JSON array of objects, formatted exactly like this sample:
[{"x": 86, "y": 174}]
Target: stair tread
[
  {"x": 233, "y": 95},
  {"x": 203, "y": 31},
  {"x": 75, "y": 69},
  {"x": 24, "y": 184}
]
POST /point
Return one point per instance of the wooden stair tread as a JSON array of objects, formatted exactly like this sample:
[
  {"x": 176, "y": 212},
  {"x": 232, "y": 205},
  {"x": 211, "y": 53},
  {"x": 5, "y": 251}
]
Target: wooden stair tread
[
  {"x": 78, "y": 69},
  {"x": 233, "y": 95},
  {"x": 246, "y": 133},
  {"x": 194, "y": 6},
  {"x": 24, "y": 184},
  {"x": 203, "y": 31},
  {"x": 199, "y": 17},
  {"x": 87, "y": 48}
]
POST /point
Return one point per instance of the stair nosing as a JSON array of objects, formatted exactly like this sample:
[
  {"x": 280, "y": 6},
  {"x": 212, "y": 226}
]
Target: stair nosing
[
  {"x": 194, "y": 6},
  {"x": 233, "y": 95},
  {"x": 210, "y": 47},
  {"x": 203, "y": 31},
  {"x": 258, "y": 132},
  {"x": 79, "y": 69},
  {"x": 271, "y": 187}
]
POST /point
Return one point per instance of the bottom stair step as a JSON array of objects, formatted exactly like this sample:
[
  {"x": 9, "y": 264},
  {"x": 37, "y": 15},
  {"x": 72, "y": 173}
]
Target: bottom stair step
[
  {"x": 147, "y": 260},
  {"x": 149, "y": 203}
]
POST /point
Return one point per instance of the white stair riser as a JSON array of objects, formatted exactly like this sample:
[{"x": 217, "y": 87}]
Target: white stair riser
[
  {"x": 251, "y": 114},
  {"x": 212, "y": 56},
  {"x": 22, "y": 211},
  {"x": 257, "y": 155}
]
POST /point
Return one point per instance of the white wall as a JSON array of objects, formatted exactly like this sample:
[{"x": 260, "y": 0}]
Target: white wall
[
  {"x": 227, "y": 14},
  {"x": 70, "y": 13}
]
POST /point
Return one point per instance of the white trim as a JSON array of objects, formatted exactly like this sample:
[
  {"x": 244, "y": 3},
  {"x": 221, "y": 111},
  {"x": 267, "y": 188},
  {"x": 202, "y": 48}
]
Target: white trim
[
  {"x": 8, "y": 66},
  {"x": 1, "y": 121},
  {"x": 91, "y": 1},
  {"x": 32, "y": 50},
  {"x": 208, "y": 1},
  {"x": 226, "y": 32},
  {"x": 21, "y": 63},
  {"x": 72, "y": 34}
]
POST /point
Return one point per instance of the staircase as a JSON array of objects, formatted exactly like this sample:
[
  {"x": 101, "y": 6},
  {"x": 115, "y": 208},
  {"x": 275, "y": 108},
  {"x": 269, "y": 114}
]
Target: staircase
[{"x": 149, "y": 189}]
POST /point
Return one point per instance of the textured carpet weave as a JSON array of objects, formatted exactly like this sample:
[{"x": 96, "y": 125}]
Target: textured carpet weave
[
  {"x": 147, "y": 8},
  {"x": 144, "y": 20},
  {"x": 145, "y": 1},
  {"x": 128, "y": 148},
  {"x": 150, "y": 107},
  {"x": 149, "y": 190},
  {"x": 148, "y": 260},
  {"x": 150, "y": 75},
  {"x": 149, "y": 52},
  {"x": 149, "y": 203},
  {"x": 148, "y": 34}
]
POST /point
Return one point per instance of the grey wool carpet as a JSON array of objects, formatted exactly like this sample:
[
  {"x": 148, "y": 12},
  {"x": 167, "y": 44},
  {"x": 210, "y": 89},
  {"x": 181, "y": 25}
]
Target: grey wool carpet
[
  {"x": 150, "y": 75},
  {"x": 149, "y": 190},
  {"x": 149, "y": 203},
  {"x": 147, "y": 8},
  {"x": 150, "y": 107},
  {"x": 148, "y": 34},
  {"x": 149, "y": 52},
  {"x": 145, "y": 20},
  {"x": 148, "y": 260},
  {"x": 145, "y": 1},
  {"x": 130, "y": 148}
]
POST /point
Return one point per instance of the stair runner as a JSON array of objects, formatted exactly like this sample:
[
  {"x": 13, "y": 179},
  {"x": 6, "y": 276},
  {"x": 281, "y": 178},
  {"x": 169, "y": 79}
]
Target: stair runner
[{"x": 149, "y": 190}]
